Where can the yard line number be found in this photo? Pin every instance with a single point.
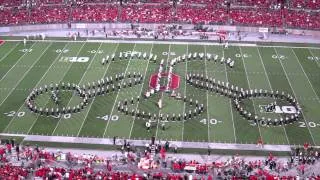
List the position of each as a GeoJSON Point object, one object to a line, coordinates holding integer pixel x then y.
{"type": "Point", "coordinates": [310, 124]}
{"type": "Point", "coordinates": [14, 113]}
{"type": "Point", "coordinates": [278, 56]}
{"type": "Point", "coordinates": [168, 53]}
{"type": "Point", "coordinates": [65, 116]}
{"type": "Point", "coordinates": [211, 121]}
{"type": "Point", "coordinates": [314, 58]}
{"type": "Point", "coordinates": [25, 50]}
{"type": "Point", "coordinates": [245, 55]}
{"type": "Point", "coordinates": [22, 113]}
{"type": "Point", "coordinates": [95, 51]}
{"type": "Point", "coordinates": [58, 51]}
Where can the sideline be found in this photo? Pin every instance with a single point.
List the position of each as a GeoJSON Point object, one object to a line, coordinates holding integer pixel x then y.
{"type": "Point", "coordinates": [177, 42]}
{"type": "Point", "coordinates": [180, 144]}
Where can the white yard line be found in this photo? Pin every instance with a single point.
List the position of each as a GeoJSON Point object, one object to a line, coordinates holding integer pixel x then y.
{"type": "Point", "coordinates": [145, 79]}
{"type": "Point", "coordinates": [24, 74]}
{"type": "Point", "coordinates": [59, 82]}
{"type": "Point", "coordinates": [185, 91]}
{"type": "Point", "coordinates": [6, 55]}
{"type": "Point", "coordinates": [270, 86]}
{"type": "Point", "coordinates": [89, 108]}
{"type": "Point", "coordinates": [12, 119]}
{"type": "Point", "coordinates": [83, 75]}
{"type": "Point", "coordinates": [115, 102]}
{"type": "Point", "coordinates": [254, 106]}
{"type": "Point", "coordinates": [18, 62]}
{"type": "Point", "coordinates": [316, 95]}
{"type": "Point", "coordinates": [295, 96]}
{"type": "Point", "coordinates": [208, 118]}
{"type": "Point", "coordinates": [230, 103]}
{"type": "Point", "coordinates": [162, 92]}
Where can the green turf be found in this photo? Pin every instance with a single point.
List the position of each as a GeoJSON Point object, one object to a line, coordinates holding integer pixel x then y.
{"type": "Point", "coordinates": [293, 70]}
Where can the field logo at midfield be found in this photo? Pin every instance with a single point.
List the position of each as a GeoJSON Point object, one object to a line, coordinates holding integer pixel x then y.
{"type": "Point", "coordinates": [280, 109]}
{"type": "Point", "coordinates": [74, 59]}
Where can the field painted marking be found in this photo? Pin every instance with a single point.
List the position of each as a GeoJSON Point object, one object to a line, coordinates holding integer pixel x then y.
{"type": "Point", "coordinates": [298, 60]}
{"type": "Point", "coordinates": [115, 102]}
{"type": "Point", "coordinates": [310, 124]}
{"type": "Point", "coordinates": [184, 93]}
{"type": "Point", "coordinates": [205, 63]}
{"type": "Point", "coordinates": [20, 108]}
{"type": "Point", "coordinates": [231, 111]}
{"type": "Point", "coordinates": [317, 62]}
{"type": "Point", "coordinates": [145, 73]}
{"type": "Point", "coordinates": [59, 82]}
{"type": "Point", "coordinates": [270, 86]}
{"type": "Point", "coordinates": [6, 55]}
{"type": "Point", "coordinates": [295, 96]}
{"type": "Point", "coordinates": [15, 64]}
{"type": "Point", "coordinates": [23, 74]}
{"type": "Point", "coordinates": [89, 108]}
{"type": "Point", "coordinates": [83, 75]}
{"type": "Point", "coordinates": [254, 106]}
{"type": "Point", "coordinates": [162, 92]}
{"type": "Point", "coordinates": [172, 42]}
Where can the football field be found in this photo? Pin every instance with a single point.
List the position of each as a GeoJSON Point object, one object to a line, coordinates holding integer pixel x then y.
{"type": "Point", "coordinates": [294, 70]}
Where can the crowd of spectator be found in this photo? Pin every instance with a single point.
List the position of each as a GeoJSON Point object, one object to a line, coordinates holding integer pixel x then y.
{"type": "Point", "coordinates": [28, 162]}
{"type": "Point", "coordinates": [271, 13]}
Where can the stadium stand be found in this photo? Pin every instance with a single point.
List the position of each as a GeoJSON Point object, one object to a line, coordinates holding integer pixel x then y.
{"type": "Point", "coordinates": [14, 16]}
{"type": "Point", "coordinates": [10, 3]}
{"type": "Point", "coordinates": [268, 13]}
{"type": "Point", "coordinates": [305, 4]}
{"type": "Point", "coordinates": [49, 14]}
{"type": "Point", "coordinates": [94, 13]}
{"type": "Point", "coordinates": [146, 13]}
{"type": "Point", "coordinates": [302, 19]}
{"type": "Point", "coordinates": [25, 162]}
{"type": "Point", "coordinates": [203, 15]}
{"type": "Point", "coordinates": [256, 17]}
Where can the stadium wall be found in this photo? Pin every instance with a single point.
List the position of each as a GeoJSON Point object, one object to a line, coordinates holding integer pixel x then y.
{"type": "Point", "coordinates": [115, 26]}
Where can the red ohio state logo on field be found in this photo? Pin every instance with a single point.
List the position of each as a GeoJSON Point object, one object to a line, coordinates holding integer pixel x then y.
{"type": "Point", "coordinates": [174, 83]}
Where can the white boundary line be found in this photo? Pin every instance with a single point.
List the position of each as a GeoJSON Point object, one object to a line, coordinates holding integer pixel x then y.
{"type": "Point", "coordinates": [230, 103]}
{"type": "Point", "coordinates": [174, 42]}
{"type": "Point", "coordinates": [115, 101]}
{"type": "Point", "coordinates": [89, 108]}
{"type": "Point", "coordinates": [83, 75]}
{"type": "Point", "coordinates": [297, 58]}
{"type": "Point", "coordinates": [295, 96]}
{"type": "Point", "coordinates": [169, 54]}
{"type": "Point", "coordinates": [21, 57]}
{"type": "Point", "coordinates": [12, 119]}
{"type": "Point", "coordinates": [254, 106]}
{"type": "Point", "coordinates": [270, 86]}
{"type": "Point", "coordinates": [198, 145]}
{"type": "Point", "coordinates": [59, 81]}
{"type": "Point", "coordinates": [145, 78]}
{"type": "Point", "coordinates": [6, 55]}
